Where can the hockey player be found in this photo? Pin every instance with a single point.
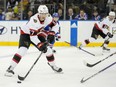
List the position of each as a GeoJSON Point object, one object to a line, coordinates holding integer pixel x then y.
{"type": "Point", "coordinates": [57, 29]}
{"type": "Point", "coordinates": [31, 33]}
{"type": "Point", "coordinates": [102, 28]}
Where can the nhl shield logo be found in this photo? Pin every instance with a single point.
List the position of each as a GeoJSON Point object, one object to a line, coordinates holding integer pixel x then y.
{"type": "Point", "coordinates": [3, 30]}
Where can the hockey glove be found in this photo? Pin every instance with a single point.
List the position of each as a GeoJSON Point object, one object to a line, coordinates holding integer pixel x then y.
{"type": "Point", "coordinates": [58, 37]}
{"type": "Point", "coordinates": [110, 35]}
{"type": "Point", "coordinates": [51, 36]}
{"type": "Point", "coordinates": [42, 46]}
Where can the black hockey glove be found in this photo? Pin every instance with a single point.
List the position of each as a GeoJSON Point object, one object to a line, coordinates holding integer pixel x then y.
{"type": "Point", "coordinates": [51, 36]}
{"type": "Point", "coordinates": [42, 46]}
{"type": "Point", "coordinates": [58, 37]}
{"type": "Point", "coordinates": [110, 35]}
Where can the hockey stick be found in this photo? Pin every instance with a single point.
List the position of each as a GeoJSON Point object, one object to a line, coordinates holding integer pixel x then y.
{"type": "Point", "coordinates": [83, 80]}
{"type": "Point", "coordinates": [82, 49]}
{"type": "Point", "coordinates": [23, 78]}
{"type": "Point", "coordinates": [113, 32]}
{"type": "Point", "coordinates": [91, 65]}
{"type": "Point", "coordinates": [104, 42]}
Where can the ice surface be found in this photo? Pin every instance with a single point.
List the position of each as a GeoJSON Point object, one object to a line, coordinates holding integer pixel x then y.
{"type": "Point", "coordinates": [69, 58]}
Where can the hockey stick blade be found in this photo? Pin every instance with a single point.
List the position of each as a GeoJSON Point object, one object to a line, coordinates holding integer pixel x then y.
{"type": "Point", "coordinates": [21, 78]}
{"type": "Point", "coordinates": [87, 64]}
{"type": "Point", "coordinates": [82, 81]}
{"type": "Point", "coordinates": [91, 65]}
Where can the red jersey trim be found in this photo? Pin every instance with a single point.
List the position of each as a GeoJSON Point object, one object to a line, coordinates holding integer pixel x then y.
{"type": "Point", "coordinates": [97, 27]}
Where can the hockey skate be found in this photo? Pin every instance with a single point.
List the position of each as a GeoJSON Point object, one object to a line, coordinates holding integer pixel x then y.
{"type": "Point", "coordinates": [55, 68]}
{"type": "Point", "coordinates": [105, 49]}
{"type": "Point", "coordinates": [9, 72]}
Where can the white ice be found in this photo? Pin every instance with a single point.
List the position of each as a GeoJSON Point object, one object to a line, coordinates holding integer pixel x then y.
{"type": "Point", "coordinates": [69, 58]}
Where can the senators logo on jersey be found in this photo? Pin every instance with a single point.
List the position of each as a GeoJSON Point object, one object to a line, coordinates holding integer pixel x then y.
{"type": "Point", "coordinates": [105, 26]}
{"type": "Point", "coordinates": [35, 21]}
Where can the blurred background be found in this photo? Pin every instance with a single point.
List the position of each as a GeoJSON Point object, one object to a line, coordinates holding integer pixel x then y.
{"type": "Point", "coordinates": [67, 9]}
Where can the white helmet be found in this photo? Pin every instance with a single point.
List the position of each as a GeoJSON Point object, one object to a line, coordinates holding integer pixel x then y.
{"type": "Point", "coordinates": [42, 9]}
{"type": "Point", "coordinates": [111, 13]}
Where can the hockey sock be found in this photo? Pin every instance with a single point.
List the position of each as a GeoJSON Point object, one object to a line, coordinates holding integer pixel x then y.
{"type": "Point", "coordinates": [16, 59]}
{"type": "Point", "coordinates": [106, 42]}
{"type": "Point", "coordinates": [52, 63]}
{"type": "Point", "coordinates": [87, 41]}
{"type": "Point", "coordinates": [50, 58]}
{"type": "Point", "coordinates": [91, 39]}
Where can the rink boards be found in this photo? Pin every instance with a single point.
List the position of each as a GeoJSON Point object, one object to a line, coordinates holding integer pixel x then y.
{"type": "Point", "coordinates": [71, 31]}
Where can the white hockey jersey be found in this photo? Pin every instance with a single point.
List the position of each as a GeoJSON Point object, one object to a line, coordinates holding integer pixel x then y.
{"type": "Point", "coordinates": [34, 26]}
{"type": "Point", "coordinates": [104, 25]}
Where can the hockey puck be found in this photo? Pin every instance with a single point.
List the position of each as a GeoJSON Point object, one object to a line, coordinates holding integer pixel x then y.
{"type": "Point", "coordinates": [18, 81]}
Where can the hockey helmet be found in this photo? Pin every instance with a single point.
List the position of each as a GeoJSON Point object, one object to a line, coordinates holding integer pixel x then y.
{"type": "Point", "coordinates": [111, 13]}
{"type": "Point", "coordinates": [55, 15]}
{"type": "Point", "coordinates": [42, 9]}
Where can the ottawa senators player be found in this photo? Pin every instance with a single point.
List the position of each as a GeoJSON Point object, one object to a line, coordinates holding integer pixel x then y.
{"type": "Point", "coordinates": [33, 33]}
{"type": "Point", "coordinates": [102, 28]}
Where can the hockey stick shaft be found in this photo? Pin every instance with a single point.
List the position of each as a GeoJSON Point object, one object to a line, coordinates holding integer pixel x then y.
{"type": "Point", "coordinates": [23, 78]}
{"type": "Point", "coordinates": [81, 49]}
{"type": "Point", "coordinates": [84, 80]}
{"type": "Point", "coordinates": [108, 38]}
{"type": "Point", "coordinates": [91, 65]}
{"type": "Point", "coordinates": [87, 52]}
{"type": "Point", "coordinates": [104, 42]}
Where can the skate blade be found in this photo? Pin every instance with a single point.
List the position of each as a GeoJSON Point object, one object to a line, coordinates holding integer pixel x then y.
{"type": "Point", "coordinates": [59, 72]}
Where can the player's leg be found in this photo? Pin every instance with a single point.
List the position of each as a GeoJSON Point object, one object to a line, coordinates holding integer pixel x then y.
{"type": "Point", "coordinates": [49, 54]}
{"type": "Point", "coordinates": [51, 60]}
{"type": "Point", "coordinates": [93, 37]}
{"type": "Point", "coordinates": [24, 44]}
{"type": "Point", "coordinates": [106, 42]}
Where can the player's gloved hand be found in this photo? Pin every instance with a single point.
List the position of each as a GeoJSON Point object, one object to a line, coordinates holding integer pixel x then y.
{"type": "Point", "coordinates": [51, 36]}
{"type": "Point", "coordinates": [42, 46]}
{"type": "Point", "coordinates": [58, 37]}
{"type": "Point", "coordinates": [110, 35]}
